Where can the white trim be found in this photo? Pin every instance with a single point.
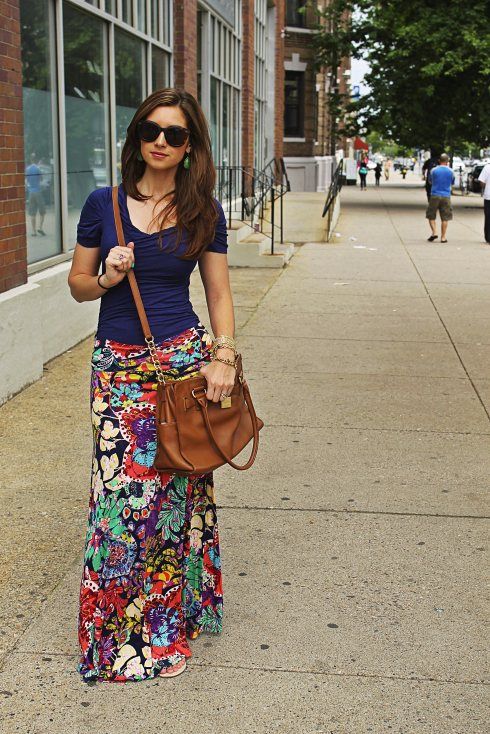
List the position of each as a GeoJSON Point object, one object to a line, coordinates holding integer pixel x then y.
{"type": "Point", "coordinates": [61, 123]}
{"type": "Point", "coordinates": [297, 29]}
{"type": "Point", "coordinates": [48, 262]}
{"type": "Point", "coordinates": [294, 140]}
{"type": "Point", "coordinates": [294, 64]}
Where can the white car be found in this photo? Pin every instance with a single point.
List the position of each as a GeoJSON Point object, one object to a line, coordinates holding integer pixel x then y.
{"type": "Point", "coordinates": [458, 163]}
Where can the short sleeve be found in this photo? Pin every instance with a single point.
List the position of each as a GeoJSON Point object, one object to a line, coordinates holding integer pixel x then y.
{"type": "Point", "coordinates": [89, 227]}
{"type": "Point", "coordinates": [220, 242]}
{"type": "Point", "coordinates": [483, 177]}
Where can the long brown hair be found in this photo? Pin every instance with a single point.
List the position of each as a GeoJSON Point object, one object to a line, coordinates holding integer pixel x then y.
{"type": "Point", "coordinates": [192, 203]}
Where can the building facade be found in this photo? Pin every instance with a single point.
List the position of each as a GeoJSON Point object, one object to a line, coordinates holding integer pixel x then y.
{"type": "Point", "coordinates": [311, 148]}
{"type": "Point", "coordinates": [72, 74]}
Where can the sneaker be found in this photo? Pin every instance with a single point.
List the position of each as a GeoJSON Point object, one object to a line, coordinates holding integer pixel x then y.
{"type": "Point", "coordinates": [41, 231]}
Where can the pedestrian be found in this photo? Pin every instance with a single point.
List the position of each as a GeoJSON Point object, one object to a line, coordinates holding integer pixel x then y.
{"type": "Point", "coordinates": [429, 164]}
{"type": "Point", "coordinates": [484, 179]}
{"type": "Point", "coordinates": [363, 172]}
{"type": "Point", "coordinates": [377, 173]}
{"type": "Point", "coordinates": [151, 570]}
{"type": "Point", "coordinates": [35, 201]}
{"type": "Point", "coordinates": [386, 168]}
{"type": "Point", "coordinates": [441, 179]}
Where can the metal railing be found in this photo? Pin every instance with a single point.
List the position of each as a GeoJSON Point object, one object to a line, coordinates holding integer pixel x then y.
{"type": "Point", "coordinates": [332, 193]}
{"type": "Point", "coordinates": [248, 192]}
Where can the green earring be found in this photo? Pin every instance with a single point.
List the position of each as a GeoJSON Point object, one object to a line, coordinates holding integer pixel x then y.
{"type": "Point", "coordinates": [187, 162]}
{"type": "Point", "coordinates": [139, 156]}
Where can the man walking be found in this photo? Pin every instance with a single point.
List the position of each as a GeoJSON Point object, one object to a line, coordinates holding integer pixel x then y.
{"type": "Point", "coordinates": [484, 179]}
{"type": "Point", "coordinates": [441, 179]}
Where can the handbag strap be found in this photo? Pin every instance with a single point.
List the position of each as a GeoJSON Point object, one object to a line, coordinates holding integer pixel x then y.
{"type": "Point", "coordinates": [131, 277]}
{"type": "Point", "coordinates": [246, 394]}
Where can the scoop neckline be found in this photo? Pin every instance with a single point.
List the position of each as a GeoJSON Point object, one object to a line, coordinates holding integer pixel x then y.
{"type": "Point", "coordinates": [153, 234]}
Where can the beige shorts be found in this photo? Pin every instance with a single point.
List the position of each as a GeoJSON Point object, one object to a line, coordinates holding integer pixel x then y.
{"type": "Point", "coordinates": [441, 204]}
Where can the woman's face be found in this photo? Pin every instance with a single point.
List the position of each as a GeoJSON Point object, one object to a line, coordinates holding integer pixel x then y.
{"type": "Point", "coordinates": [164, 116]}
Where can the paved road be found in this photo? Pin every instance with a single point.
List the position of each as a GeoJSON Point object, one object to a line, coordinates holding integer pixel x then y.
{"type": "Point", "coordinates": [352, 551]}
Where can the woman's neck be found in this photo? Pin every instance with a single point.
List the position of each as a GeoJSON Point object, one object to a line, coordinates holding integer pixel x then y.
{"type": "Point", "coordinates": [156, 184]}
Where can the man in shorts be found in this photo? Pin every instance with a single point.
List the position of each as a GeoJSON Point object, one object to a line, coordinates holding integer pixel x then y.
{"type": "Point", "coordinates": [35, 201]}
{"type": "Point", "coordinates": [441, 179]}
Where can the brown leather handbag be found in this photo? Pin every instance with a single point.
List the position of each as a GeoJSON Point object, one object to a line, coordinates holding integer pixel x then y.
{"type": "Point", "coordinates": [194, 434]}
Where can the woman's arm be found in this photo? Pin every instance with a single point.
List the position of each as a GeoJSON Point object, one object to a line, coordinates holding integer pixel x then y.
{"type": "Point", "coordinates": [82, 278]}
{"type": "Point", "coordinates": [213, 267]}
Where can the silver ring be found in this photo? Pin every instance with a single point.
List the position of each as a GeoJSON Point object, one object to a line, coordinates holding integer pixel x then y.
{"type": "Point", "coordinates": [223, 395]}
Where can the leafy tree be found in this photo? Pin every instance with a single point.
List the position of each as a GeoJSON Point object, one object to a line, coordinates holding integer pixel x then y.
{"type": "Point", "coordinates": [429, 63]}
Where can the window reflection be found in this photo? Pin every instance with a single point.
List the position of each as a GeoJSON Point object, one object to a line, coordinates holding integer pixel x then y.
{"type": "Point", "coordinates": [160, 68]}
{"type": "Point", "coordinates": [130, 65]}
{"type": "Point", "coordinates": [41, 161]}
{"type": "Point", "coordinates": [86, 110]}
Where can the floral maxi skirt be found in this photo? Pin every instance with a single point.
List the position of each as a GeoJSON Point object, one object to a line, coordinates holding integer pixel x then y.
{"type": "Point", "coordinates": [152, 571]}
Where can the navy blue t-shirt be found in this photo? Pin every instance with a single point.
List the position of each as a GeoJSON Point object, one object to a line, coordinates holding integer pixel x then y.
{"type": "Point", "coordinates": [163, 278]}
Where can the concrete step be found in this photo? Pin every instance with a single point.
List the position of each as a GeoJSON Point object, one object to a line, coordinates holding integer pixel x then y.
{"type": "Point", "coordinates": [247, 248]}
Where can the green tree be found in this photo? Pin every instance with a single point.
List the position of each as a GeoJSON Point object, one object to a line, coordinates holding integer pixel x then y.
{"type": "Point", "coordinates": [430, 67]}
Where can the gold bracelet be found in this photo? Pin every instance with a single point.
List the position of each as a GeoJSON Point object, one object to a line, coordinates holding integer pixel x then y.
{"type": "Point", "coordinates": [223, 340]}
{"type": "Point", "coordinates": [215, 348]}
{"type": "Point", "coordinates": [225, 361]}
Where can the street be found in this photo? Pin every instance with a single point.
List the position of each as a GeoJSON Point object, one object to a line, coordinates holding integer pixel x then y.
{"type": "Point", "coordinates": [353, 558]}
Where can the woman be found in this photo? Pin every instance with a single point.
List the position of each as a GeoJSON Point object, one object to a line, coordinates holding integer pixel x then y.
{"type": "Point", "coordinates": [363, 172]}
{"type": "Point", "coordinates": [152, 572]}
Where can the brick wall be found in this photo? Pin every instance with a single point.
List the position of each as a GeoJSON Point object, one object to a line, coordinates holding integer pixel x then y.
{"type": "Point", "coordinates": [13, 252]}
{"type": "Point", "coordinates": [185, 45]}
{"type": "Point", "coordinates": [248, 60]}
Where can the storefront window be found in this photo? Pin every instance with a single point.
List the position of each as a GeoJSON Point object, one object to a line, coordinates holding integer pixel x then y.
{"type": "Point", "coordinates": [223, 103]}
{"type": "Point", "coordinates": [130, 66]}
{"type": "Point", "coordinates": [43, 225]}
{"type": "Point", "coordinates": [95, 122]}
{"type": "Point", "coordinates": [86, 109]}
{"type": "Point", "coordinates": [160, 68]}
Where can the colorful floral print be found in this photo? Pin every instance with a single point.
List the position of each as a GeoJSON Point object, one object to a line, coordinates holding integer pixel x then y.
{"type": "Point", "coordinates": [152, 569]}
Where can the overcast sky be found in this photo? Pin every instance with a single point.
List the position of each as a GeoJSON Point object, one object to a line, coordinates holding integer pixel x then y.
{"type": "Point", "coordinates": [359, 67]}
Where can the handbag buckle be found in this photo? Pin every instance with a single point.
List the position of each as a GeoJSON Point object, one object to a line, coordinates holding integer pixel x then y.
{"type": "Point", "coordinates": [196, 389]}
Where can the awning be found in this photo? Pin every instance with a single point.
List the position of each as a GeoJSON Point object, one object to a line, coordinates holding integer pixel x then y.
{"type": "Point", "coordinates": [360, 144]}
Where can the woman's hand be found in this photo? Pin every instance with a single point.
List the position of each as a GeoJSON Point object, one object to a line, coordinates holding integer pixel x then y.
{"type": "Point", "coordinates": [220, 377]}
{"type": "Point", "coordinates": [118, 262]}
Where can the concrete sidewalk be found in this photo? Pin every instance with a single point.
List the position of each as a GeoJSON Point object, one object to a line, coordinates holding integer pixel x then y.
{"type": "Point", "coordinates": [352, 551]}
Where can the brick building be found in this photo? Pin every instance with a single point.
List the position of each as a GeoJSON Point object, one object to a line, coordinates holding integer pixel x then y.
{"type": "Point", "coordinates": [72, 73]}
{"type": "Point", "coordinates": [309, 150]}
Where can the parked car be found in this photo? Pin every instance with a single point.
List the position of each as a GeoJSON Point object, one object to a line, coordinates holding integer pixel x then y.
{"type": "Point", "coordinates": [473, 184]}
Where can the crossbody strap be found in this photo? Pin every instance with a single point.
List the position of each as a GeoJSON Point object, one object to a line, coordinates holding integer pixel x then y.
{"type": "Point", "coordinates": [131, 277]}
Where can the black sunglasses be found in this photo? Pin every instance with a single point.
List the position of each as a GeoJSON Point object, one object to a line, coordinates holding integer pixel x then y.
{"type": "Point", "coordinates": [175, 135]}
